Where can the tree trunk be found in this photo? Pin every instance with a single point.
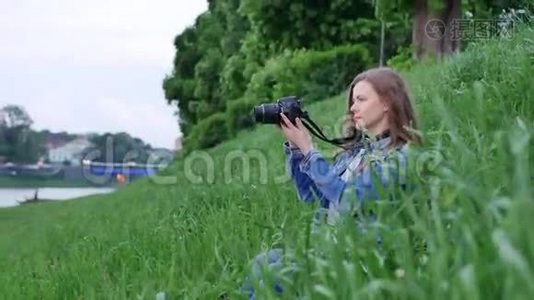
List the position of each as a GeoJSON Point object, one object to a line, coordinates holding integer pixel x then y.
{"type": "Point", "coordinates": [433, 32]}
{"type": "Point", "coordinates": [450, 43]}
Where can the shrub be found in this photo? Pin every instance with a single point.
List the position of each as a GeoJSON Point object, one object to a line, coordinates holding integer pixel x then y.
{"type": "Point", "coordinates": [310, 74]}
{"type": "Point", "coordinates": [402, 60]}
{"type": "Point", "coordinates": [239, 114]}
{"type": "Point", "coordinates": [207, 133]}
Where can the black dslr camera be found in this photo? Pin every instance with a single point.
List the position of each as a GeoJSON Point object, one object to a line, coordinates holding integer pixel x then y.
{"type": "Point", "coordinates": [269, 113]}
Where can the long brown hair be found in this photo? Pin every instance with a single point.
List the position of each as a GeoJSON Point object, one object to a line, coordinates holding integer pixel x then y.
{"type": "Point", "coordinates": [393, 92]}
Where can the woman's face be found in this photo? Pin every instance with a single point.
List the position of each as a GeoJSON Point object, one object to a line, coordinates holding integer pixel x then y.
{"type": "Point", "coordinates": [367, 109]}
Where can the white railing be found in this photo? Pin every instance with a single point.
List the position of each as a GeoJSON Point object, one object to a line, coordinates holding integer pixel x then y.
{"type": "Point", "coordinates": [124, 165]}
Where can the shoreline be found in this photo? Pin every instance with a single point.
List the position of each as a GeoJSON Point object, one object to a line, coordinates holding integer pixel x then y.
{"type": "Point", "coordinates": [16, 197]}
{"type": "Point", "coordinates": [7, 182]}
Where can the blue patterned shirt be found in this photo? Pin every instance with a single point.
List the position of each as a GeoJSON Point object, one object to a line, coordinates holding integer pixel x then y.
{"type": "Point", "coordinates": [339, 193]}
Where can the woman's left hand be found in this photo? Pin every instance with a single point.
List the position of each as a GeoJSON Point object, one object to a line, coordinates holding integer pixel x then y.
{"type": "Point", "coordinates": [298, 135]}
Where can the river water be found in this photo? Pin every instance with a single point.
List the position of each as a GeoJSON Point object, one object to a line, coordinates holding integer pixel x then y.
{"type": "Point", "coordinates": [10, 196]}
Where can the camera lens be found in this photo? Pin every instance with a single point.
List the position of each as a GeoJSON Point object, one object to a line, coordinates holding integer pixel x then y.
{"type": "Point", "coordinates": [267, 113]}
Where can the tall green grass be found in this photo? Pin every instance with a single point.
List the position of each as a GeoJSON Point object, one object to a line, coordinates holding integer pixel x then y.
{"type": "Point", "coordinates": [463, 232]}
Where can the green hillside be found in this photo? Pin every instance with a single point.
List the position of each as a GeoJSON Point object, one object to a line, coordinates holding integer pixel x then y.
{"type": "Point", "coordinates": [194, 240]}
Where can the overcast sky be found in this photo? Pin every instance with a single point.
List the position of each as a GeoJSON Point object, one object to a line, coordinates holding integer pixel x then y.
{"type": "Point", "coordinates": [93, 66]}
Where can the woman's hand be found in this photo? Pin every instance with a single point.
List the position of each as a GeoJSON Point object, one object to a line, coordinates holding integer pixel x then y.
{"type": "Point", "coordinates": [296, 135]}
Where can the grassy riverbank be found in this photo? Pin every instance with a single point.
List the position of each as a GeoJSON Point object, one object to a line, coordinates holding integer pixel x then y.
{"type": "Point", "coordinates": [9, 182]}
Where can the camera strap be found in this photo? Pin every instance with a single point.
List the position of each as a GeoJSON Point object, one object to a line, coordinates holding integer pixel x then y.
{"type": "Point", "coordinates": [315, 130]}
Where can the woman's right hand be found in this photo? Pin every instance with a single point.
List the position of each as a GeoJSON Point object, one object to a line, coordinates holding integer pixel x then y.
{"type": "Point", "coordinates": [291, 145]}
{"type": "Point", "coordinates": [296, 134]}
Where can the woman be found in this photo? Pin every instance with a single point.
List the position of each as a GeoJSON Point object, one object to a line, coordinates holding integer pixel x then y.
{"type": "Point", "coordinates": [380, 119]}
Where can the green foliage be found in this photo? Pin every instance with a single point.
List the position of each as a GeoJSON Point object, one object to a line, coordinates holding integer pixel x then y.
{"type": "Point", "coordinates": [203, 50]}
{"type": "Point", "coordinates": [310, 74]}
{"type": "Point", "coordinates": [239, 114]}
{"type": "Point", "coordinates": [305, 24]}
{"type": "Point", "coordinates": [12, 116]}
{"type": "Point", "coordinates": [486, 9]}
{"type": "Point", "coordinates": [385, 9]}
{"type": "Point", "coordinates": [4, 146]}
{"type": "Point", "coordinates": [119, 148]}
{"type": "Point", "coordinates": [18, 142]}
{"type": "Point", "coordinates": [217, 56]}
{"type": "Point", "coordinates": [403, 60]}
{"type": "Point", "coordinates": [233, 81]}
{"type": "Point", "coordinates": [208, 133]}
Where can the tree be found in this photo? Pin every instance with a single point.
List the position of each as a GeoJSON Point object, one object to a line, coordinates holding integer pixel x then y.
{"type": "Point", "coordinates": [119, 148]}
{"type": "Point", "coordinates": [435, 22]}
{"type": "Point", "coordinates": [21, 144]}
{"type": "Point", "coordinates": [28, 148]}
{"type": "Point", "coordinates": [295, 24]}
{"type": "Point", "coordinates": [4, 146]}
{"type": "Point", "coordinates": [432, 32]}
{"type": "Point", "coordinates": [15, 116]}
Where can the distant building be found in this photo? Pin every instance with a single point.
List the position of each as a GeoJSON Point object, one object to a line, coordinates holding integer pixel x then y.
{"type": "Point", "coordinates": [160, 156]}
{"type": "Point", "coordinates": [54, 143]}
{"type": "Point", "coordinates": [70, 152]}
